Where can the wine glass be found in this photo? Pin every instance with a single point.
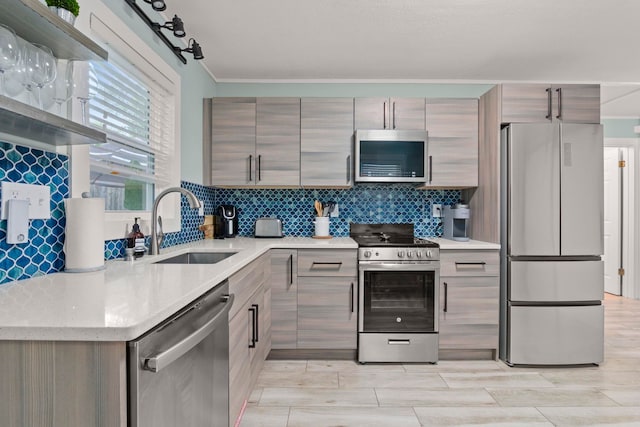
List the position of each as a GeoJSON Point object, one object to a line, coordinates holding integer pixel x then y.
{"type": "Point", "coordinates": [9, 52]}
{"type": "Point", "coordinates": [81, 70]}
{"type": "Point", "coordinates": [40, 67]}
{"type": "Point", "coordinates": [62, 87]}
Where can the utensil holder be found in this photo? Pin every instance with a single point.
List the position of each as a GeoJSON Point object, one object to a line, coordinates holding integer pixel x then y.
{"type": "Point", "coordinates": [322, 226]}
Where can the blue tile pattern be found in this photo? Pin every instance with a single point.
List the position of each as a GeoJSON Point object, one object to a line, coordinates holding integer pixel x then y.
{"type": "Point", "coordinates": [43, 253]}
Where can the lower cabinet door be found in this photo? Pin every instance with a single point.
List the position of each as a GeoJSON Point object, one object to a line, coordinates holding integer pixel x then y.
{"type": "Point", "coordinates": [555, 335]}
{"type": "Point", "coordinates": [239, 362]}
{"type": "Point", "coordinates": [327, 312]}
{"type": "Point", "coordinates": [469, 312]}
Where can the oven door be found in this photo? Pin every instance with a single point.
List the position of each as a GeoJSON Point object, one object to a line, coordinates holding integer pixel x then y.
{"type": "Point", "coordinates": [398, 298]}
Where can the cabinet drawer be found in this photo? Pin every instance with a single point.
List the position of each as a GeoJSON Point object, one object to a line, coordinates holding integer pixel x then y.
{"type": "Point", "coordinates": [469, 263]}
{"type": "Point", "coordinates": [245, 282]}
{"type": "Point", "coordinates": [334, 262]}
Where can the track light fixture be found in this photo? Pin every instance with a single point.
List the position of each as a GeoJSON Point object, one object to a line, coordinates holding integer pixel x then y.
{"type": "Point", "coordinates": [157, 5]}
{"type": "Point", "coordinates": [194, 49]}
{"type": "Point", "coordinates": [176, 25]}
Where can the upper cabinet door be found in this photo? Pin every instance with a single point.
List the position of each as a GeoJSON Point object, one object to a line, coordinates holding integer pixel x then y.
{"type": "Point", "coordinates": [539, 103]}
{"type": "Point", "coordinates": [452, 125]}
{"type": "Point", "coordinates": [326, 142]}
{"type": "Point", "coordinates": [576, 103]}
{"type": "Point", "coordinates": [389, 113]}
{"type": "Point", "coordinates": [233, 142]}
{"type": "Point", "coordinates": [278, 142]}
{"type": "Point", "coordinates": [526, 103]}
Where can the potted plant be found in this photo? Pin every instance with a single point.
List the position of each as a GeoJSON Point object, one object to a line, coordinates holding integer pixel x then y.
{"type": "Point", "coordinates": [65, 9]}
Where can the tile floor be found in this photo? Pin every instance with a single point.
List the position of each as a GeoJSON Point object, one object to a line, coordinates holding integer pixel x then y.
{"type": "Point", "coordinates": [314, 393]}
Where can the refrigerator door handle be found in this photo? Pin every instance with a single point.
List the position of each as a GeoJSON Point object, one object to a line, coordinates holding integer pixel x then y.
{"type": "Point", "coordinates": [549, 104]}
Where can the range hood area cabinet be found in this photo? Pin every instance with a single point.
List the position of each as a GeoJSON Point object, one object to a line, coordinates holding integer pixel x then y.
{"type": "Point", "coordinates": [389, 113]}
{"type": "Point", "coordinates": [35, 23]}
{"type": "Point", "coordinates": [452, 124]}
{"type": "Point", "coordinates": [252, 142]}
{"type": "Point", "coordinates": [326, 142]}
{"type": "Point", "coordinates": [540, 103]}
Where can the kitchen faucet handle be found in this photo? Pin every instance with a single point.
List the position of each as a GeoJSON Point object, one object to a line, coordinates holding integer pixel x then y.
{"type": "Point", "coordinates": [160, 234]}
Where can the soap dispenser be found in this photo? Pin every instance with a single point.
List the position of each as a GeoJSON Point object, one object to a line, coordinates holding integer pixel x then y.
{"type": "Point", "coordinates": [135, 240]}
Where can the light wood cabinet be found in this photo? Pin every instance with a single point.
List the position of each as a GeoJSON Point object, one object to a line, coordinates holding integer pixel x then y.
{"type": "Point", "coordinates": [255, 142]}
{"type": "Point", "coordinates": [389, 113]}
{"type": "Point", "coordinates": [537, 103]}
{"type": "Point", "coordinates": [452, 125]}
{"type": "Point", "coordinates": [326, 142]}
{"type": "Point", "coordinates": [249, 330]}
{"type": "Point", "coordinates": [469, 300]}
{"type": "Point", "coordinates": [62, 383]}
{"type": "Point", "coordinates": [327, 299]}
{"type": "Point", "coordinates": [284, 298]}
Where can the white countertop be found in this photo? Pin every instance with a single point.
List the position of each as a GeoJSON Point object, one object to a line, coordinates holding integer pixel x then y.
{"type": "Point", "coordinates": [447, 244]}
{"type": "Point", "coordinates": [127, 299]}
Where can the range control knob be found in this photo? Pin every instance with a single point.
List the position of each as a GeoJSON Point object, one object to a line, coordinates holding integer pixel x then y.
{"type": "Point", "coordinates": [428, 254]}
{"type": "Point", "coordinates": [400, 254]}
{"type": "Point", "coordinates": [367, 254]}
{"type": "Point", "coordinates": [418, 254]}
{"type": "Point", "coordinates": [409, 254]}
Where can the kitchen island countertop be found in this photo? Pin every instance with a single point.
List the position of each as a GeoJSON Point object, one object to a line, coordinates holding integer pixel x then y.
{"type": "Point", "coordinates": [126, 299]}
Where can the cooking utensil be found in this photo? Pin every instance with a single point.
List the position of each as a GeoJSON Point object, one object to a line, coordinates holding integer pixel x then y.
{"type": "Point", "coordinates": [318, 207]}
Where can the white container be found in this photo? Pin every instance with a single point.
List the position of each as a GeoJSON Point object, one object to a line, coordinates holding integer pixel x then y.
{"type": "Point", "coordinates": [322, 226]}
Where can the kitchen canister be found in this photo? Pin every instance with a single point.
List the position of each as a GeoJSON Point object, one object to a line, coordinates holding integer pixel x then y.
{"type": "Point", "coordinates": [84, 235]}
{"type": "Point", "coordinates": [322, 227]}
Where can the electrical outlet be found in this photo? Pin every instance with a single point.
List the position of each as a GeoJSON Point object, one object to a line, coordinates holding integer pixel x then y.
{"type": "Point", "coordinates": [436, 210]}
{"type": "Point", "coordinates": [201, 208]}
{"type": "Point", "coordinates": [38, 196]}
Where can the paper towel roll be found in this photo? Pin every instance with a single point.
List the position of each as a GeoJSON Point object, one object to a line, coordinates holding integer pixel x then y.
{"type": "Point", "coordinates": [84, 235]}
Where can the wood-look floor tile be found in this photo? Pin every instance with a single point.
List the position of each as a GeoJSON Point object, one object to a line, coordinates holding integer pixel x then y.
{"type": "Point", "coordinates": [296, 397]}
{"type": "Point", "coordinates": [397, 397]}
{"type": "Point", "coordinates": [619, 416]}
{"type": "Point", "coordinates": [624, 396]}
{"type": "Point", "coordinates": [487, 416]}
{"type": "Point", "coordinates": [390, 380]}
{"type": "Point", "coordinates": [353, 417]}
{"type": "Point", "coordinates": [550, 397]}
{"type": "Point", "coordinates": [456, 366]}
{"type": "Point", "coordinates": [255, 416]}
{"type": "Point", "coordinates": [592, 378]}
{"type": "Point", "coordinates": [512, 378]}
{"type": "Point", "coordinates": [285, 366]}
{"type": "Point", "coordinates": [298, 379]}
{"type": "Point", "coordinates": [352, 366]}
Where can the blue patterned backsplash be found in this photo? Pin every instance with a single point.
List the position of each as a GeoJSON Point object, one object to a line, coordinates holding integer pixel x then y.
{"type": "Point", "coordinates": [43, 253]}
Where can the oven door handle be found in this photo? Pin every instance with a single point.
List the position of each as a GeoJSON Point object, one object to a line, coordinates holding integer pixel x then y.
{"type": "Point", "coordinates": [431, 266]}
{"type": "Point", "coordinates": [162, 360]}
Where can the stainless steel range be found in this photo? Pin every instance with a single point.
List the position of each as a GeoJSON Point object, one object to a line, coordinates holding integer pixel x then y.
{"type": "Point", "coordinates": [398, 277]}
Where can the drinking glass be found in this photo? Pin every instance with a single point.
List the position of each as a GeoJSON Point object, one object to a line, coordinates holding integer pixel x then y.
{"type": "Point", "coordinates": [40, 68]}
{"type": "Point", "coordinates": [81, 87]}
{"type": "Point", "coordinates": [9, 52]}
{"type": "Point", "coordinates": [62, 87]}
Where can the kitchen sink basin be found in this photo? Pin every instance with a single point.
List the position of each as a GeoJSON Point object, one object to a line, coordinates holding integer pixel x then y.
{"type": "Point", "coordinates": [197, 258]}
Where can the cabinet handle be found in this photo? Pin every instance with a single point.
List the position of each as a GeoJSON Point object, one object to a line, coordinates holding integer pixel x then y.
{"type": "Point", "coordinates": [250, 167]}
{"type": "Point", "coordinates": [327, 265]}
{"type": "Point", "coordinates": [471, 263]}
{"type": "Point", "coordinates": [351, 295]}
{"type": "Point", "coordinates": [259, 167]}
{"type": "Point", "coordinates": [257, 307]}
{"type": "Point", "coordinates": [559, 116]}
{"type": "Point", "coordinates": [252, 310]}
{"type": "Point", "coordinates": [446, 286]}
{"type": "Point", "coordinates": [430, 169]}
{"type": "Point", "coordinates": [549, 104]}
{"type": "Point", "coordinates": [348, 168]}
{"type": "Point", "coordinates": [290, 271]}
{"type": "Point", "coordinates": [384, 115]}
{"type": "Point", "coordinates": [394, 115]}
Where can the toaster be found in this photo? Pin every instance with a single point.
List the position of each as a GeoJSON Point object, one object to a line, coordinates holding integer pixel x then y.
{"type": "Point", "coordinates": [267, 227]}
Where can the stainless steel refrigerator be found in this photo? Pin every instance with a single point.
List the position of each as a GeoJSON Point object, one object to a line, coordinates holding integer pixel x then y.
{"type": "Point", "coordinates": [552, 274]}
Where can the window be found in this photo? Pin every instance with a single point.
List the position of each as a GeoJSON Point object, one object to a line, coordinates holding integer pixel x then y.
{"type": "Point", "coordinates": [138, 117]}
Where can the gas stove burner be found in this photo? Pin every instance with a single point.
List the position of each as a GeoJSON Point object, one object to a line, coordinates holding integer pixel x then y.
{"type": "Point", "coordinates": [384, 237]}
{"type": "Point", "coordinates": [387, 235]}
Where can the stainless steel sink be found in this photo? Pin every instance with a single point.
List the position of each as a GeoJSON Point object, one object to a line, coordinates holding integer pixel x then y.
{"type": "Point", "coordinates": [197, 258]}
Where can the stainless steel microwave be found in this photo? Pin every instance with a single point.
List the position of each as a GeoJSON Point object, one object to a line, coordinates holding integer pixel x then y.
{"type": "Point", "coordinates": [391, 156]}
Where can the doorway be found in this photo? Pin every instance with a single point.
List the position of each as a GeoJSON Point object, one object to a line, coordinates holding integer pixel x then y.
{"type": "Point", "coordinates": [618, 205]}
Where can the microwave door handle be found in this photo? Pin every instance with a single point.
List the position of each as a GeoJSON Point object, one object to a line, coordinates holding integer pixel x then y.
{"type": "Point", "coordinates": [394, 115]}
{"type": "Point", "coordinates": [349, 169]}
{"type": "Point", "coordinates": [384, 115]}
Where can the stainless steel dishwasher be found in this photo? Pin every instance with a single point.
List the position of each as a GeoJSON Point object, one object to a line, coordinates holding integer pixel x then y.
{"type": "Point", "coordinates": [179, 371]}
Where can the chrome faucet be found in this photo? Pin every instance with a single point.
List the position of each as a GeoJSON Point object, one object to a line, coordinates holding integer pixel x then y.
{"type": "Point", "coordinates": [158, 237]}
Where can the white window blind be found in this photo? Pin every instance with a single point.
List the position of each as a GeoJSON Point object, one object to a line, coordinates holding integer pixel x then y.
{"type": "Point", "coordinates": [138, 117]}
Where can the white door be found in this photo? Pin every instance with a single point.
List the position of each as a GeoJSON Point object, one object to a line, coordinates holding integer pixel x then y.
{"type": "Point", "coordinates": [612, 221]}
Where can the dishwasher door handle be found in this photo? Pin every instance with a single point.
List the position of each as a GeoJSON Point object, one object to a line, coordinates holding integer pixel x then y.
{"type": "Point", "coordinates": [160, 361]}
